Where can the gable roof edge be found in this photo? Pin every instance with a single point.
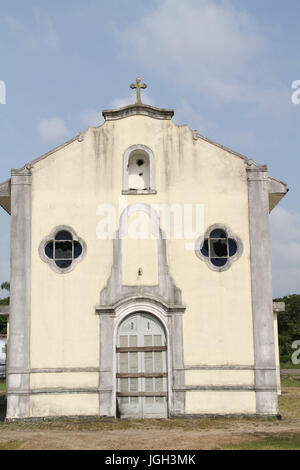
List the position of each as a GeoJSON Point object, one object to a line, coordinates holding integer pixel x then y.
{"type": "Point", "coordinates": [197, 136]}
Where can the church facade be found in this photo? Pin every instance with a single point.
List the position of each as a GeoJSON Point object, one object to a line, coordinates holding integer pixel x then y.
{"type": "Point", "coordinates": [123, 302]}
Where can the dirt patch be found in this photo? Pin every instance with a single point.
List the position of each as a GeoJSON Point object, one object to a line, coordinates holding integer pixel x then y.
{"type": "Point", "coordinates": [181, 434]}
{"type": "Point", "coordinates": [132, 439]}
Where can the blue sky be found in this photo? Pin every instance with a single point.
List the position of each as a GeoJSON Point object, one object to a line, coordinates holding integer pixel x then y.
{"type": "Point", "coordinates": [226, 67]}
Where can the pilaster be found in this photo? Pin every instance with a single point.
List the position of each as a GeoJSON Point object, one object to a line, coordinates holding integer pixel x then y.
{"type": "Point", "coordinates": [261, 280]}
{"type": "Point", "coordinates": [19, 322]}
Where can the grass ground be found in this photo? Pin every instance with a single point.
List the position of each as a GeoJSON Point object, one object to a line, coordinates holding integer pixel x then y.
{"type": "Point", "coordinates": [10, 445]}
{"type": "Point", "coordinates": [290, 381]}
{"type": "Point", "coordinates": [202, 433]}
{"type": "Point", "coordinates": [269, 443]}
{"type": "Point", "coordinates": [289, 365]}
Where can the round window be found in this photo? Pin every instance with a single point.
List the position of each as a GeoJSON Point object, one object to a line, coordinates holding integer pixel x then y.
{"type": "Point", "coordinates": [219, 249]}
{"type": "Point", "coordinates": [61, 249]}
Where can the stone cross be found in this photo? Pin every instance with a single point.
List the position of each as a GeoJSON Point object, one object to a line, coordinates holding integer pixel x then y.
{"type": "Point", "coordinates": [138, 85]}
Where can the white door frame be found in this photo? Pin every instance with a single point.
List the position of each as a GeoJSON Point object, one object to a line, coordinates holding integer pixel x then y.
{"type": "Point", "coordinates": [170, 317]}
{"type": "Point", "coordinates": [126, 312]}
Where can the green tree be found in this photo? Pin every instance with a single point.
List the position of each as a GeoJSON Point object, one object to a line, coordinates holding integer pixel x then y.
{"type": "Point", "coordinates": [288, 327]}
{"type": "Point", "coordinates": [5, 301]}
{"type": "Point", "coordinates": [5, 285]}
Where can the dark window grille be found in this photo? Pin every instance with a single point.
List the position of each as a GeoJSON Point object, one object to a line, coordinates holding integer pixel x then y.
{"type": "Point", "coordinates": [63, 249]}
{"type": "Point", "coordinates": [218, 247]}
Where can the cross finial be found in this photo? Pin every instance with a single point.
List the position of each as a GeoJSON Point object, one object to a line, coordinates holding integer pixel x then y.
{"type": "Point", "coordinates": [138, 85]}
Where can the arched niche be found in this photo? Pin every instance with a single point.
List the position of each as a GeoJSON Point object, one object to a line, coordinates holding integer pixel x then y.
{"type": "Point", "coordinates": [138, 170]}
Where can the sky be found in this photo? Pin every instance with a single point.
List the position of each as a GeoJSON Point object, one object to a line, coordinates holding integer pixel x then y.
{"type": "Point", "coordinates": [227, 68]}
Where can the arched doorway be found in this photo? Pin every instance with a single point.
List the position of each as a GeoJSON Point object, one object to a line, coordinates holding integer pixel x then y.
{"type": "Point", "coordinates": [142, 382]}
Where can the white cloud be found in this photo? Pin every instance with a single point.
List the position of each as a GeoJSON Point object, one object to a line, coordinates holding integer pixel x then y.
{"type": "Point", "coordinates": [41, 34]}
{"type": "Point", "coordinates": [285, 224]}
{"type": "Point", "coordinates": [91, 117]}
{"type": "Point", "coordinates": [187, 114]}
{"type": "Point", "coordinates": [210, 45]}
{"type": "Point", "coordinates": [285, 245]}
{"type": "Point", "coordinates": [121, 102]}
{"type": "Point", "coordinates": [53, 130]}
{"type": "Point", "coordinates": [45, 29]}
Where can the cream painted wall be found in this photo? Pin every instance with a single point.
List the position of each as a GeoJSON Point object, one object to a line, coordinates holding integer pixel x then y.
{"type": "Point", "coordinates": [69, 185]}
{"type": "Point", "coordinates": [139, 253]}
{"type": "Point", "coordinates": [68, 380]}
{"type": "Point", "coordinates": [219, 377]}
{"type": "Point", "coordinates": [220, 402]}
{"type": "Point", "coordinates": [61, 404]}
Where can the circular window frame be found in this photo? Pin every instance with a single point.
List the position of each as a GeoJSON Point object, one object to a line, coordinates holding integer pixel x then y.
{"type": "Point", "coordinates": [51, 261]}
{"type": "Point", "coordinates": [229, 234]}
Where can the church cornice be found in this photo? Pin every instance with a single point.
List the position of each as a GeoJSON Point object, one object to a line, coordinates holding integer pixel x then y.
{"type": "Point", "coordinates": [137, 110]}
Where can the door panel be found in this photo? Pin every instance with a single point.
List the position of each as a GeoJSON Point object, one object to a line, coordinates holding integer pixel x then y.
{"type": "Point", "coordinates": [142, 368]}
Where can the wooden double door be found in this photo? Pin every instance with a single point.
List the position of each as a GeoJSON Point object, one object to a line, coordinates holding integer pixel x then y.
{"type": "Point", "coordinates": [142, 382]}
